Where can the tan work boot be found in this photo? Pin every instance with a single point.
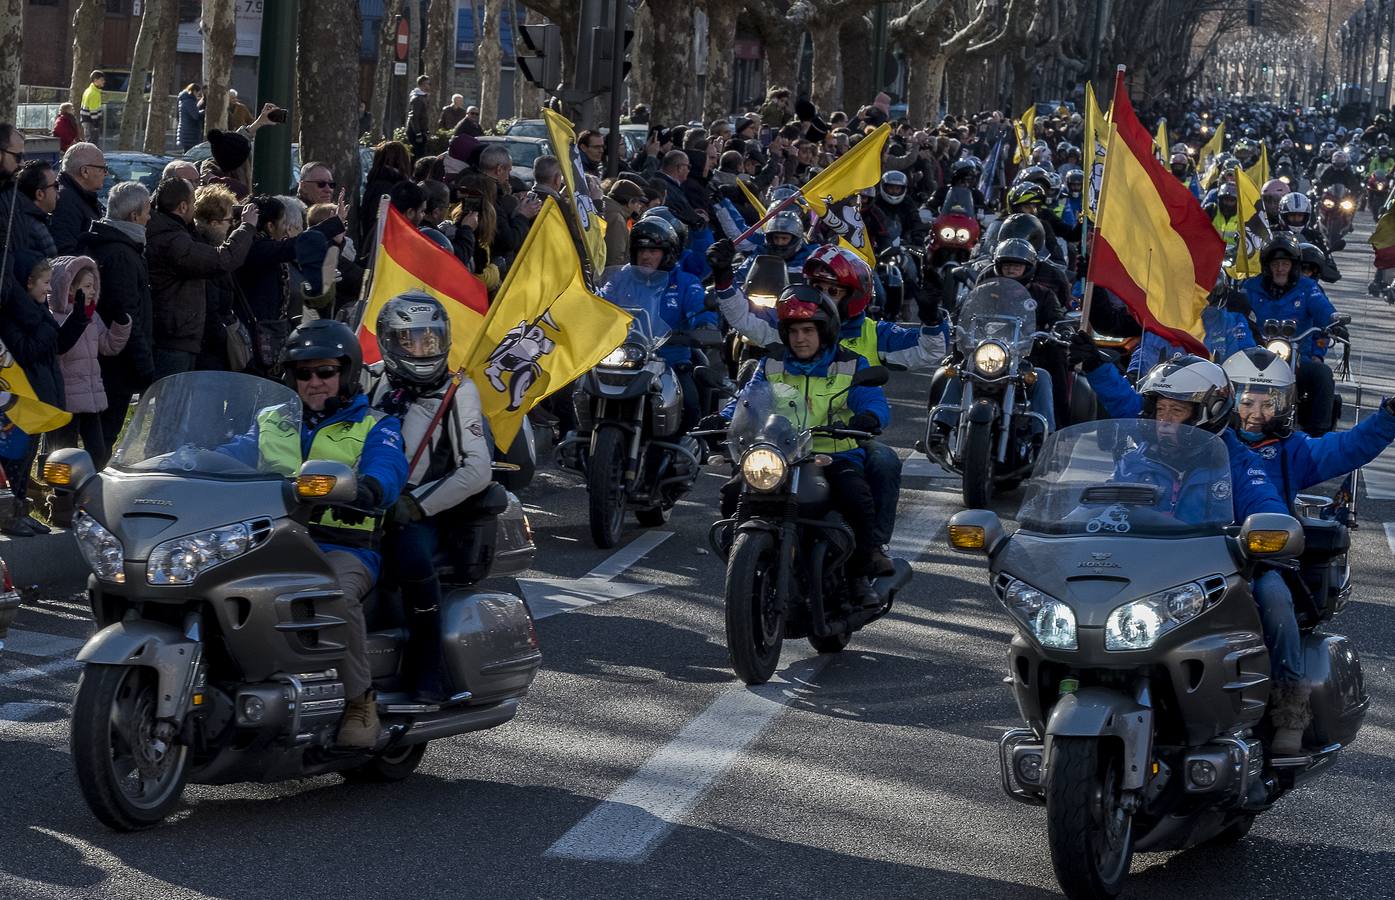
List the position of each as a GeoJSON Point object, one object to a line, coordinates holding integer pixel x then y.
{"type": "Point", "coordinates": [360, 726]}
{"type": "Point", "coordinates": [1290, 712]}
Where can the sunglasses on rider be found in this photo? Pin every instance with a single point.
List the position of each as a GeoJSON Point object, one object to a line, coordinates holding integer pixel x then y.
{"type": "Point", "coordinates": [832, 288]}
{"type": "Point", "coordinates": [324, 373]}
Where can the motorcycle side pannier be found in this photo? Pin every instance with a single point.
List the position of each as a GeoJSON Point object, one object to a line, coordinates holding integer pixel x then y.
{"type": "Point", "coordinates": [489, 645]}
{"type": "Point", "coordinates": [1339, 699]}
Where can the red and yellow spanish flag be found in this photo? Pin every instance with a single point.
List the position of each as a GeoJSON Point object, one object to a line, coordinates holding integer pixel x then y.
{"type": "Point", "coordinates": [1154, 247]}
{"type": "Point", "coordinates": [407, 260]}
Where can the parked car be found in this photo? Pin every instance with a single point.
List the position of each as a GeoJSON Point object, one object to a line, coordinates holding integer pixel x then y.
{"type": "Point", "coordinates": [131, 166]}
{"type": "Point", "coordinates": [532, 128]}
{"type": "Point", "coordinates": [524, 151]}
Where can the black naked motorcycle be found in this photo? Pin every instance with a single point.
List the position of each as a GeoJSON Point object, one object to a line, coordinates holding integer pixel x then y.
{"type": "Point", "coordinates": [629, 443]}
{"type": "Point", "coordinates": [1139, 662]}
{"type": "Point", "coordinates": [786, 548]}
{"type": "Point", "coordinates": [222, 627]}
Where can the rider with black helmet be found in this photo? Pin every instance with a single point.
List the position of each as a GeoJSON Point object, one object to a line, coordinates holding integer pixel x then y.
{"type": "Point", "coordinates": [321, 361]}
{"type": "Point", "coordinates": [414, 340]}
{"type": "Point", "coordinates": [963, 173]}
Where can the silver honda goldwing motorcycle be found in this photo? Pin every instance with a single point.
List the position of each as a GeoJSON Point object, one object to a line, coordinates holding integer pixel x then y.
{"type": "Point", "coordinates": [221, 625]}
{"type": "Point", "coordinates": [1139, 664]}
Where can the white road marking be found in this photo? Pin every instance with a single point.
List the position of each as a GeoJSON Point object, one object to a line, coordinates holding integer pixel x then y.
{"type": "Point", "coordinates": [1390, 535]}
{"type": "Point", "coordinates": [551, 596]}
{"type": "Point", "coordinates": [37, 643]}
{"type": "Point", "coordinates": [634, 819]}
{"type": "Point", "coordinates": [920, 467]}
{"type": "Point", "coordinates": [913, 533]}
{"type": "Point", "coordinates": [44, 670]}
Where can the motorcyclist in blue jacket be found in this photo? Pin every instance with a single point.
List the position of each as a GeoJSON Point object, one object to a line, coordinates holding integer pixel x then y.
{"type": "Point", "coordinates": [673, 299]}
{"type": "Point", "coordinates": [1281, 293]}
{"type": "Point", "coordinates": [1198, 388]}
{"type": "Point", "coordinates": [1224, 322]}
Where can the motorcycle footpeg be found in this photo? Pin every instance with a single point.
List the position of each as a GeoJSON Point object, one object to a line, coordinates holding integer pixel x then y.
{"type": "Point", "coordinates": [1291, 762]}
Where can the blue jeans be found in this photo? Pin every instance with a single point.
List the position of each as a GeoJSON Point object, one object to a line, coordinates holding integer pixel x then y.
{"type": "Point", "coordinates": [1280, 626]}
{"type": "Point", "coordinates": [883, 473]}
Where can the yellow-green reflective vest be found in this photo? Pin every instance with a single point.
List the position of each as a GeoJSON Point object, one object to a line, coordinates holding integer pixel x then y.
{"type": "Point", "coordinates": [1229, 228]}
{"type": "Point", "coordinates": [278, 444]}
{"type": "Point", "coordinates": [865, 344]}
{"type": "Point", "coordinates": [825, 396]}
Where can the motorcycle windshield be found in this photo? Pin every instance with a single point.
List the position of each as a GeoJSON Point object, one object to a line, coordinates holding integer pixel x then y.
{"type": "Point", "coordinates": [959, 200]}
{"type": "Point", "coordinates": [220, 424]}
{"type": "Point", "coordinates": [771, 414]}
{"type": "Point", "coordinates": [998, 309]}
{"type": "Point", "coordinates": [1130, 476]}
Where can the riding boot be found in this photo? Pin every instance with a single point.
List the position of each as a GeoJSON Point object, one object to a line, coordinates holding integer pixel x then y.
{"type": "Point", "coordinates": [1290, 713]}
{"type": "Point", "coordinates": [360, 726]}
{"type": "Point", "coordinates": [60, 509]}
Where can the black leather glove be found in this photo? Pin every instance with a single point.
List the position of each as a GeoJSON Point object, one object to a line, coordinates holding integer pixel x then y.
{"type": "Point", "coordinates": [865, 421]}
{"type": "Point", "coordinates": [714, 422]}
{"type": "Point", "coordinates": [395, 403]}
{"type": "Point", "coordinates": [1085, 353]}
{"type": "Point", "coordinates": [368, 498]}
{"type": "Point", "coordinates": [407, 509]}
{"type": "Point", "coordinates": [1388, 404]}
{"type": "Point", "coordinates": [721, 256]}
{"type": "Point", "coordinates": [1339, 331]}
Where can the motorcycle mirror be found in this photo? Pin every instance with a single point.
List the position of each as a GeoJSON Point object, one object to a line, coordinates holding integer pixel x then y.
{"type": "Point", "coordinates": [1271, 536]}
{"type": "Point", "coordinates": [976, 531]}
{"type": "Point", "coordinates": [325, 481]}
{"type": "Point", "coordinates": [67, 470]}
{"type": "Point", "coordinates": [872, 376]}
{"type": "Point", "coordinates": [1344, 320]}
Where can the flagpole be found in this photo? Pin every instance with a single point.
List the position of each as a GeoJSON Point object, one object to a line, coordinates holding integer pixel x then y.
{"type": "Point", "coordinates": [1088, 298]}
{"type": "Point", "coordinates": [373, 268]}
{"type": "Point", "coordinates": [783, 204]}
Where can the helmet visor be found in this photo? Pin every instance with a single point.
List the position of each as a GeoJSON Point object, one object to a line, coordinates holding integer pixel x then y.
{"type": "Point", "coordinates": [421, 341]}
{"type": "Point", "coordinates": [1257, 405]}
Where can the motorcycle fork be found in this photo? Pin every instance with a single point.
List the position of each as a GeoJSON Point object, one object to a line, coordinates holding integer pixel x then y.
{"type": "Point", "coordinates": [966, 403]}
{"type": "Point", "coordinates": [789, 539]}
{"type": "Point", "coordinates": [633, 459]}
{"type": "Point", "coordinates": [1009, 397]}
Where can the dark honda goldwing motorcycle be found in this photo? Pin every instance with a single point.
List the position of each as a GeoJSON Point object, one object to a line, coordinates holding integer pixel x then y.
{"type": "Point", "coordinates": [629, 443]}
{"type": "Point", "coordinates": [1139, 664]}
{"type": "Point", "coordinates": [221, 626]}
{"type": "Point", "coordinates": [786, 548]}
{"type": "Point", "coordinates": [991, 435]}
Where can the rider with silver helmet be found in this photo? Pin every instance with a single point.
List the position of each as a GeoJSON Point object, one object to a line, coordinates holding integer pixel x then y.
{"type": "Point", "coordinates": [900, 214]}
{"type": "Point", "coordinates": [414, 340]}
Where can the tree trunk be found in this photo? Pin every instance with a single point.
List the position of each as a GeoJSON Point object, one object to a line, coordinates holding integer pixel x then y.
{"type": "Point", "coordinates": [826, 91]}
{"type": "Point", "coordinates": [488, 53]}
{"type": "Point", "coordinates": [88, 19]}
{"type": "Point", "coordinates": [219, 27]}
{"type": "Point", "coordinates": [671, 53]}
{"type": "Point", "coordinates": [133, 114]}
{"type": "Point", "coordinates": [11, 56]}
{"type": "Point", "coordinates": [642, 54]}
{"type": "Point", "coordinates": [162, 83]}
{"type": "Point", "coordinates": [782, 59]}
{"type": "Point", "coordinates": [382, 73]}
{"type": "Point", "coordinates": [721, 58]}
{"type": "Point", "coordinates": [924, 82]}
{"type": "Point", "coordinates": [327, 61]}
{"type": "Point", "coordinates": [859, 63]}
{"type": "Point", "coordinates": [440, 34]}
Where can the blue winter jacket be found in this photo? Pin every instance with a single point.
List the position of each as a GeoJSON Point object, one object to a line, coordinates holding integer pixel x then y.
{"type": "Point", "coordinates": [1253, 489]}
{"type": "Point", "coordinates": [1227, 333]}
{"type": "Point", "coordinates": [1299, 461]}
{"type": "Point", "coordinates": [674, 300]}
{"type": "Point", "coordinates": [861, 398]}
{"type": "Point", "coordinates": [1304, 301]}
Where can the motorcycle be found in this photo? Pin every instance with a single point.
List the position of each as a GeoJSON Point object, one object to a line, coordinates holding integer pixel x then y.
{"type": "Point", "coordinates": [1377, 189]}
{"type": "Point", "coordinates": [1280, 338]}
{"type": "Point", "coordinates": [991, 435]}
{"type": "Point", "coordinates": [786, 549]}
{"type": "Point", "coordinates": [629, 444]}
{"type": "Point", "coordinates": [221, 625]}
{"type": "Point", "coordinates": [1139, 662]}
{"type": "Point", "coordinates": [955, 231]}
{"type": "Point", "coordinates": [1338, 207]}
{"type": "Point", "coordinates": [897, 269]}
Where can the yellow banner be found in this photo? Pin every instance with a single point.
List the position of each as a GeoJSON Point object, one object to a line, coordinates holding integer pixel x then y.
{"type": "Point", "coordinates": [833, 192]}
{"type": "Point", "coordinates": [1251, 230]}
{"type": "Point", "coordinates": [544, 329]}
{"type": "Point", "coordinates": [1026, 128]}
{"type": "Point", "coordinates": [29, 414]}
{"type": "Point", "coordinates": [563, 139]}
{"type": "Point", "coordinates": [1259, 172]}
{"type": "Point", "coordinates": [1211, 149]}
{"type": "Point", "coordinates": [1096, 145]}
{"type": "Point", "coordinates": [1160, 140]}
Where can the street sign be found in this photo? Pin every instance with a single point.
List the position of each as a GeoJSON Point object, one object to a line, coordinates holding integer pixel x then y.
{"type": "Point", "coordinates": [399, 68]}
{"type": "Point", "coordinates": [404, 40]}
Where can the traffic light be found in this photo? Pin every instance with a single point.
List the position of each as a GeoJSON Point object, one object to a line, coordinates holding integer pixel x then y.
{"type": "Point", "coordinates": [602, 57]}
{"type": "Point", "coordinates": [540, 56]}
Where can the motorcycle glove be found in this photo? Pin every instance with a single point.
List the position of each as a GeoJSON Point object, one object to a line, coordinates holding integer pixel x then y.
{"type": "Point", "coordinates": [865, 421]}
{"type": "Point", "coordinates": [407, 509]}
{"type": "Point", "coordinates": [1085, 353]}
{"type": "Point", "coordinates": [366, 501]}
{"type": "Point", "coordinates": [721, 256]}
{"type": "Point", "coordinates": [1388, 404]}
{"type": "Point", "coordinates": [1339, 331]}
{"type": "Point", "coordinates": [714, 422]}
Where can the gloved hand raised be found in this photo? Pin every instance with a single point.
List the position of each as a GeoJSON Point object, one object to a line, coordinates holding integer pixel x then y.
{"type": "Point", "coordinates": [1085, 353]}
{"type": "Point", "coordinates": [721, 256]}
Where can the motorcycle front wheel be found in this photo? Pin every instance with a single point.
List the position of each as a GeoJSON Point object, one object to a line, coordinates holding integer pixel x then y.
{"type": "Point", "coordinates": [605, 486]}
{"type": "Point", "coordinates": [755, 627]}
{"type": "Point", "coordinates": [977, 454]}
{"type": "Point", "coordinates": [1090, 835]}
{"type": "Point", "coordinates": [129, 778]}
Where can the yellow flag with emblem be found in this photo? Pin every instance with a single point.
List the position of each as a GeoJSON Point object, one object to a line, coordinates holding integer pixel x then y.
{"type": "Point", "coordinates": [1211, 149]}
{"type": "Point", "coordinates": [1160, 140]}
{"type": "Point", "coordinates": [544, 329]}
{"type": "Point", "coordinates": [562, 136]}
{"type": "Point", "coordinates": [1251, 231]}
{"type": "Point", "coordinates": [1259, 172]}
{"type": "Point", "coordinates": [21, 405]}
{"type": "Point", "coordinates": [833, 192]}
{"type": "Point", "coordinates": [1026, 128]}
{"type": "Point", "coordinates": [1097, 143]}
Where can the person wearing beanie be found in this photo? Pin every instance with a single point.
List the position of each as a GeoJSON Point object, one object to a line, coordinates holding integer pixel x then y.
{"type": "Point", "coordinates": [623, 205]}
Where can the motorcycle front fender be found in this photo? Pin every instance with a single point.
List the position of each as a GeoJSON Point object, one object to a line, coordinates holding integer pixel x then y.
{"type": "Point", "coordinates": [1101, 713]}
{"type": "Point", "coordinates": [982, 412]}
{"type": "Point", "coordinates": [154, 645]}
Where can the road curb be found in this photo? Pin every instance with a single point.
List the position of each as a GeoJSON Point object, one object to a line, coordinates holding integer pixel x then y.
{"type": "Point", "coordinates": [47, 562]}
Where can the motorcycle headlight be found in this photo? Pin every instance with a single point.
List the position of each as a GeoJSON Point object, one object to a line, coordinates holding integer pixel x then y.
{"type": "Point", "coordinates": [962, 235]}
{"type": "Point", "coordinates": [101, 548]}
{"type": "Point", "coordinates": [990, 358]}
{"type": "Point", "coordinates": [626, 356]}
{"type": "Point", "coordinates": [1279, 348]}
{"type": "Point", "coordinates": [763, 468]}
{"type": "Point", "coordinates": [1138, 625]}
{"type": "Point", "coordinates": [947, 233]}
{"type": "Point", "coordinates": [1348, 205]}
{"type": "Point", "coordinates": [1285, 179]}
{"type": "Point", "coordinates": [763, 301]}
{"type": "Point", "coordinates": [1328, 203]}
{"type": "Point", "coordinates": [1048, 620]}
{"type": "Point", "coordinates": [183, 559]}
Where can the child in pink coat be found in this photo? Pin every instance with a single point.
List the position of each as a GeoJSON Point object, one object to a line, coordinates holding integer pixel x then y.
{"type": "Point", "coordinates": [73, 292]}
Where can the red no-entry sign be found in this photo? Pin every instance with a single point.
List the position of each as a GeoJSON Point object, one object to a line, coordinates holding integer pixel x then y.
{"type": "Point", "coordinates": [404, 33]}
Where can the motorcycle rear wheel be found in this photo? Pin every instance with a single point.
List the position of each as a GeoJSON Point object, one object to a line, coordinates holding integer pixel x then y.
{"type": "Point", "coordinates": [755, 632]}
{"type": "Point", "coordinates": [652, 517]}
{"type": "Point", "coordinates": [1091, 837]}
{"type": "Point", "coordinates": [605, 487]}
{"type": "Point", "coordinates": [977, 455]}
{"type": "Point", "coordinates": [127, 783]}
{"type": "Point", "coordinates": [388, 767]}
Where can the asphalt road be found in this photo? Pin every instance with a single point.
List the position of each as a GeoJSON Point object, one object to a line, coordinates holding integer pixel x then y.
{"type": "Point", "coordinates": [640, 768]}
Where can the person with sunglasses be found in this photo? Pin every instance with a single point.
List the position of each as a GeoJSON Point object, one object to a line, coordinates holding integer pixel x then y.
{"type": "Point", "coordinates": [84, 170]}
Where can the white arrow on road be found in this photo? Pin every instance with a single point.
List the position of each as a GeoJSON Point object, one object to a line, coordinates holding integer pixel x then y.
{"type": "Point", "coordinates": [550, 596]}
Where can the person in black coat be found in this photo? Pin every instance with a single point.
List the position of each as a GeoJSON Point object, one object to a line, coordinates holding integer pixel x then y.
{"type": "Point", "coordinates": [117, 245]}
{"type": "Point", "coordinates": [84, 171]}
